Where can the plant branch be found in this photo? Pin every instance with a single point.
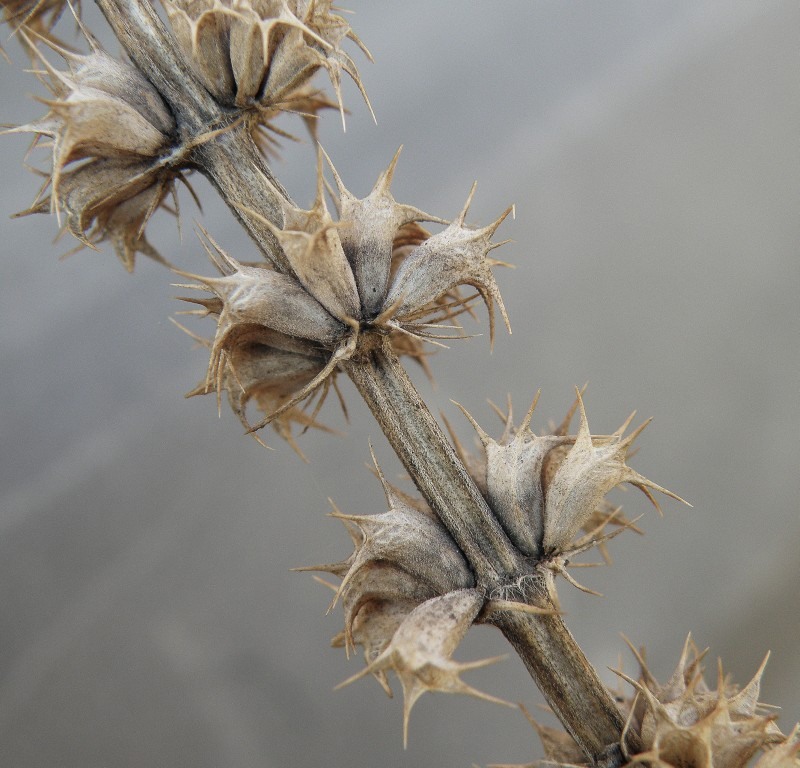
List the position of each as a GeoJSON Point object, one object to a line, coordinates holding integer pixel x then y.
{"type": "Point", "coordinates": [564, 675]}
{"type": "Point", "coordinates": [218, 142]}
{"type": "Point", "coordinates": [550, 653]}
{"type": "Point", "coordinates": [433, 465]}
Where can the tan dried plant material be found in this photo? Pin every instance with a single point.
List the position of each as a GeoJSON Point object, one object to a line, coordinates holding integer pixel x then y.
{"type": "Point", "coordinates": [513, 479]}
{"type": "Point", "coordinates": [421, 648]}
{"type": "Point", "coordinates": [329, 289]}
{"type": "Point", "coordinates": [36, 16]}
{"type": "Point", "coordinates": [584, 477]}
{"type": "Point", "coordinates": [687, 722]}
{"type": "Point", "coordinates": [266, 368]}
{"type": "Point", "coordinates": [259, 56]}
{"type": "Point", "coordinates": [111, 141]}
{"type": "Point", "coordinates": [548, 491]}
{"type": "Point", "coordinates": [402, 558]}
{"type": "Point", "coordinates": [273, 340]}
{"type": "Point", "coordinates": [784, 754]}
{"type": "Point", "coordinates": [411, 538]}
{"type": "Point", "coordinates": [456, 256]}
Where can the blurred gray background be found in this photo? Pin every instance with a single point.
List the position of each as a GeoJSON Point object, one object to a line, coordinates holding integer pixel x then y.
{"type": "Point", "coordinates": [147, 613]}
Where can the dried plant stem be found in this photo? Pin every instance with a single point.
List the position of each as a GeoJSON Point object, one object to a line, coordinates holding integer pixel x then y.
{"type": "Point", "coordinates": [566, 679]}
{"type": "Point", "coordinates": [157, 56]}
{"type": "Point", "coordinates": [433, 465]}
{"type": "Point", "coordinates": [234, 165]}
{"type": "Point", "coordinates": [550, 653]}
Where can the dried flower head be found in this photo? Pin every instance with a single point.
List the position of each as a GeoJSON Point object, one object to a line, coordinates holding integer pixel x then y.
{"type": "Point", "coordinates": [403, 556]}
{"type": "Point", "coordinates": [420, 650]}
{"type": "Point", "coordinates": [547, 489]}
{"type": "Point", "coordinates": [259, 55]}
{"type": "Point", "coordinates": [336, 289]}
{"type": "Point", "coordinates": [113, 160]}
{"type": "Point", "coordinates": [685, 723]}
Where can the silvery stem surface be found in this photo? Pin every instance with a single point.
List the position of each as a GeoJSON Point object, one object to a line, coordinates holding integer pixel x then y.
{"type": "Point", "coordinates": [433, 465]}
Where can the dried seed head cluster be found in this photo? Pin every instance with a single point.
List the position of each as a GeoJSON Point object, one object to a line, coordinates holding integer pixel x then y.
{"type": "Point", "coordinates": [543, 491]}
{"type": "Point", "coordinates": [685, 722]}
{"type": "Point", "coordinates": [334, 291]}
{"type": "Point", "coordinates": [110, 135]}
{"type": "Point", "coordinates": [259, 55]}
{"type": "Point", "coordinates": [546, 489]}
{"type": "Point", "coordinates": [409, 599]}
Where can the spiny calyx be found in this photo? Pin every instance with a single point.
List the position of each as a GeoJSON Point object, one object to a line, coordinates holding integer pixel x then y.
{"type": "Point", "coordinates": [409, 598]}
{"type": "Point", "coordinates": [338, 288]}
{"type": "Point", "coordinates": [114, 152]}
{"type": "Point", "coordinates": [685, 723]}
{"type": "Point", "coordinates": [546, 489]}
{"type": "Point", "coordinates": [259, 55]}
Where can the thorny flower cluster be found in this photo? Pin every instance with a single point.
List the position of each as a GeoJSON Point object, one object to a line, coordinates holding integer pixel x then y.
{"type": "Point", "coordinates": [687, 722]}
{"type": "Point", "coordinates": [333, 291]}
{"type": "Point", "coordinates": [116, 150]}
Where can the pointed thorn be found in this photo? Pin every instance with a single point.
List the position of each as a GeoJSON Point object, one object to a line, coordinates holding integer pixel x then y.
{"type": "Point", "coordinates": [526, 422]}
{"type": "Point", "coordinates": [385, 179]}
{"type": "Point", "coordinates": [459, 221]}
{"type": "Point", "coordinates": [625, 424]}
{"type": "Point", "coordinates": [337, 179]}
{"type": "Point", "coordinates": [387, 491]}
{"type": "Point", "coordinates": [584, 435]}
{"type": "Point", "coordinates": [636, 432]}
{"type": "Point", "coordinates": [492, 228]}
{"type": "Point", "coordinates": [483, 436]}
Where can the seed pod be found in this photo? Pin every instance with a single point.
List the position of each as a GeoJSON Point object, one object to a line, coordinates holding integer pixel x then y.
{"type": "Point", "coordinates": [456, 256]}
{"type": "Point", "coordinates": [373, 628]}
{"type": "Point", "coordinates": [514, 480]}
{"type": "Point", "coordinates": [259, 55]}
{"type": "Point", "coordinates": [583, 478]}
{"type": "Point", "coordinates": [515, 473]}
{"type": "Point", "coordinates": [368, 228]}
{"type": "Point", "coordinates": [104, 112]}
{"type": "Point", "coordinates": [266, 368]}
{"type": "Point", "coordinates": [314, 254]}
{"type": "Point", "coordinates": [382, 582]}
{"type": "Point", "coordinates": [684, 722]}
{"type": "Point", "coordinates": [420, 650]}
{"type": "Point", "coordinates": [411, 539]}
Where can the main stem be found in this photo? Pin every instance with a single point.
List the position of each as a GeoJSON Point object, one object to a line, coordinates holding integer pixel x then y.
{"type": "Point", "coordinates": [433, 465]}
{"type": "Point", "coordinates": [548, 650]}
